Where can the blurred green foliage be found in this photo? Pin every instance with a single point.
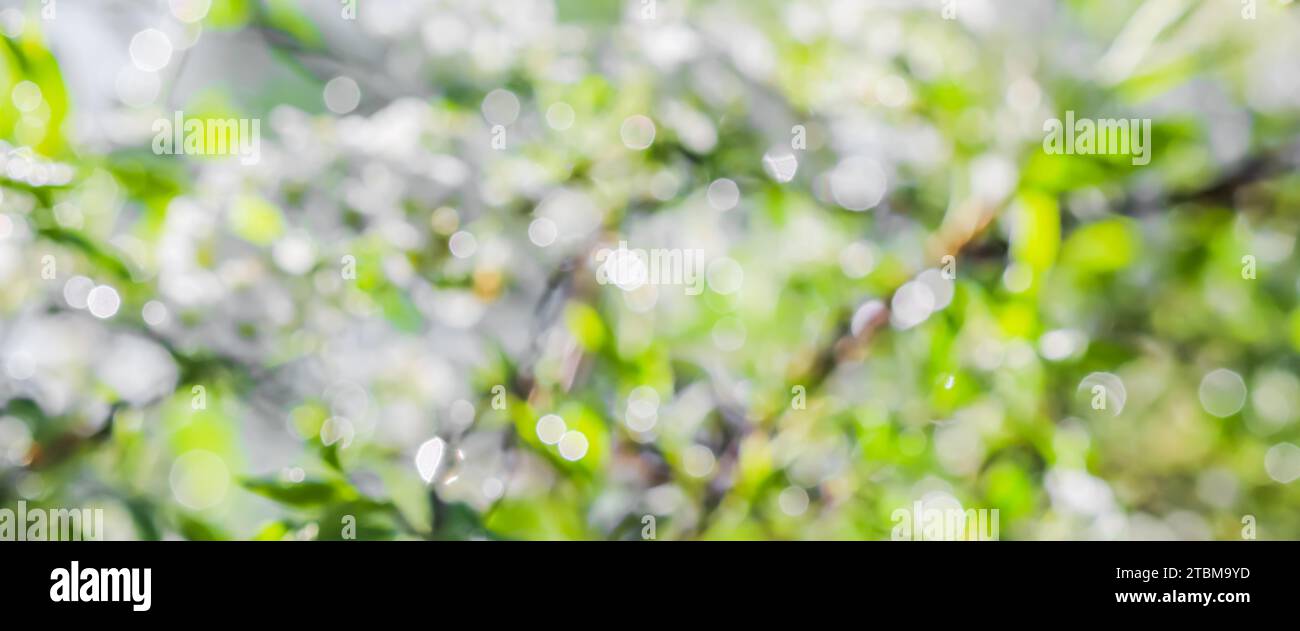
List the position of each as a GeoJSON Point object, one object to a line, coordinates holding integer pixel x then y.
{"type": "Point", "coordinates": [1065, 266]}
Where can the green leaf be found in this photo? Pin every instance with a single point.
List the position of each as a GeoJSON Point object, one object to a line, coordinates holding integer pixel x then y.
{"type": "Point", "coordinates": [195, 529]}
{"type": "Point", "coordinates": [305, 493]}
{"type": "Point", "coordinates": [229, 14]}
{"type": "Point", "coordinates": [1104, 246]}
{"type": "Point", "coordinates": [288, 16]}
{"type": "Point", "coordinates": [330, 455]}
{"type": "Point", "coordinates": [274, 531]}
{"type": "Point", "coordinates": [586, 326]}
{"type": "Point", "coordinates": [595, 13]}
{"type": "Point", "coordinates": [256, 220]}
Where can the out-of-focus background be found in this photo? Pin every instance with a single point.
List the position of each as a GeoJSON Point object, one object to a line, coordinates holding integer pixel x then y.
{"type": "Point", "coordinates": [396, 317]}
